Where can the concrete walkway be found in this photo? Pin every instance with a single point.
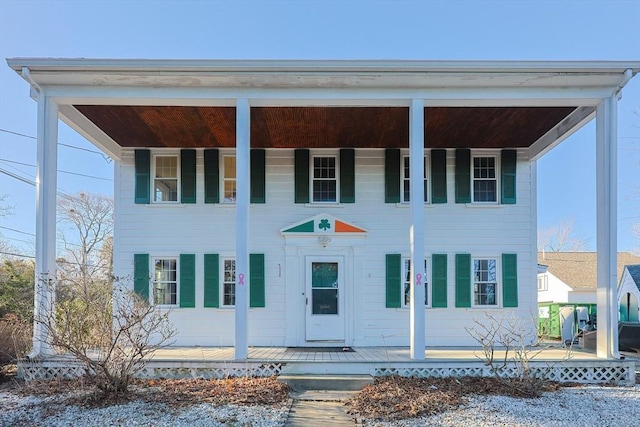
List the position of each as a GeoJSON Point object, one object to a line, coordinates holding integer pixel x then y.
{"type": "Point", "coordinates": [320, 408]}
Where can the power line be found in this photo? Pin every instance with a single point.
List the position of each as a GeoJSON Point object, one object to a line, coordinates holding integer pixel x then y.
{"type": "Point", "coordinates": [31, 182]}
{"type": "Point", "coordinates": [59, 170]}
{"type": "Point", "coordinates": [18, 255]}
{"type": "Point", "coordinates": [17, 231]}
{"type": "Point", "coordinates": [106, 158]}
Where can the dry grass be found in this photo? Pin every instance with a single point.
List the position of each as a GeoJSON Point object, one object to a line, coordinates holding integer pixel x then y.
{"type": "Point", "coordinates": [394, 398]}
{"type": "Point", "coordinates": [174, 393]}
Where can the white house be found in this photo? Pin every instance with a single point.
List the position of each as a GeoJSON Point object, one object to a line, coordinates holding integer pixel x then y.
{"type": "Point", "coordinates": [282, 203]}
{"type": "Point", "coordinates": [629, 294]}
{"type": "Point", "coordinates": [571, 277]}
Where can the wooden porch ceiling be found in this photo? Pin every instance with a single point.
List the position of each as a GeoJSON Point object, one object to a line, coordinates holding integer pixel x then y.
{"type": "Point", "coordinates": [323, 127]}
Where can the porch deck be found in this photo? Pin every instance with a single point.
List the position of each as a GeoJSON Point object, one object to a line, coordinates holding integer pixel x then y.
{"type": "Point", "coordinates": [555, 362]}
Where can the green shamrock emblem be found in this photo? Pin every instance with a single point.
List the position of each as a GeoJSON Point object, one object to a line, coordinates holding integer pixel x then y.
{"type": "Point", "coordinates": [324, 224]}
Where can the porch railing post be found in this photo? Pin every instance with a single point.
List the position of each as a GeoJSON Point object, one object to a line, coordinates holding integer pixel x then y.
{"type": "Point", "coordinates": [607, 254]}
{"type": "Point", "coordinates": [242, 227]}
{"type": "Point", "coordinates": [46, 187]}
{"type": "Point", "coordinates": [416, 195]}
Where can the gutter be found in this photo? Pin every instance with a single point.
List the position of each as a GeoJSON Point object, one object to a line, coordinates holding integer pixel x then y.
{"type": "Point", "coordinates": [628, 75]}
{"type": "Point", "coordinates": [26, 74]}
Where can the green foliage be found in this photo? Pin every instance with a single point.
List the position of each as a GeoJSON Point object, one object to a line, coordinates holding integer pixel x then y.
{"type": "Point", "coordinates": [16, 289]}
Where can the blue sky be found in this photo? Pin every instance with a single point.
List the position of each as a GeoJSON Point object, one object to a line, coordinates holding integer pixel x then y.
{"type": "Point", "coordinates": [464, 30]}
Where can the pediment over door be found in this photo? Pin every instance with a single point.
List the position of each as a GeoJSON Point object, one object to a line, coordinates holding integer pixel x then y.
{"type": "Point", "coordinates": [323, 225]}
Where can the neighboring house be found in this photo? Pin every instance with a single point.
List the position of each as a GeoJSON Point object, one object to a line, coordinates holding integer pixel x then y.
{"type": "Point", "coordinates": [271, 203]}
{"type": "Point", "coordinates": [571, 277]}
{"type": "Point", "coordinates": [629, 294]}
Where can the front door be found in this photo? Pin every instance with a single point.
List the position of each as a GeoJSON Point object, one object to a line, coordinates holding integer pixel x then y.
{"type": "Point", "coordinates": [325, 289]}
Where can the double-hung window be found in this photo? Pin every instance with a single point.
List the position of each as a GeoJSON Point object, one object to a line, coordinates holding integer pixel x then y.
{"type": "Point", "coordinates": [405, 180]}
{"type": "Point", "coordinates": [228, 282]}
{"type": "Point", "coordinates": [406, 283]}
{"type": "Point", "coordinates": [229, 179]}
{"type": "Point", "coordinates": [485, 179]}
{"type": "Point", "coordinates": [165, 282]}
{"type": "Point", "coordinates": [165, 178]}
{"type": "Point", "coordinates": [325, 179]}
{"type": "Point", "coordinates": [485, 282]}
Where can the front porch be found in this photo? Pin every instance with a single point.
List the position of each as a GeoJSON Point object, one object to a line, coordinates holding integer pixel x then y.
{"type": "Point", "coordinates": [560, 364]}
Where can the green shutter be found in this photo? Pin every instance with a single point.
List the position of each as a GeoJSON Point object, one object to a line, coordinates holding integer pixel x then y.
{"type": "Point", "coordinates": [211, 280]}
{"type": "Point", "coordinates": [301, 175]}
{"type": "Point", "coordinates": [508, 179]}
{"type": "Point", "coordinates": [141, 275]}
{"type": "Point", "coordinates": [438, 176]}
{"type": "Point", "coordinates": [463, 175]}
{"type": "Point", "coordinates": [439, 280]}
{"type": "Point", "coordinates": [188, 176]}
{"type": "Point", "coordinates": [509, 280]}
{"type": "Point", "coordinates": [347, 176]}
{"type": "Point", "coordinates": [257, 167]}
{"type": "Point", "coordinates": [143, 176]}
{"type": "Point", "coordinates": [187, 280]}
{"type": "Point", "coordinates": [211, 176]}
{"type": "Point", "coordinates": [392, 175]}
{"type": "Point", "coordinates": [394, 279]}
{"type": "Point", "coordinates": [256, 277]}
{"type": "Point", "coordinates": [463, 280]}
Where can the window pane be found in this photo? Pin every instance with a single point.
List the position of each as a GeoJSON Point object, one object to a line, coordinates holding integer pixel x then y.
{"type": "Point", "coordinates": [325, 301]}
{"type": "Point", "coordinates": [324, 191]}
{"type": "Point", "coordinates": [166, 284]}
{"type": "Point", "coordinates": [166, 167]}
{"type": "Point", "coordinates": [229, 282]}
{"type": "Point", "coordinates": [230, 191]}
{"type": "Point", "coordinates": [324, 275]}
{"type": "Point", "coordinates": [484, 191]}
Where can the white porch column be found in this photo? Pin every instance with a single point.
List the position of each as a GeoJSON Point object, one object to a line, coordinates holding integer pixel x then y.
{"type": "Point", "coordinates": [46, 186]}
{"type": "Point", "coordinates": [416, 189]}
{"type": "Point", "coordinates": [242, 227]}
{"type": "Point", "coordinates": [606, 200]}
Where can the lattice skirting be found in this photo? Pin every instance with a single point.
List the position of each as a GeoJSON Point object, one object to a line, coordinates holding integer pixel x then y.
{"type": "Point", "coordinates": [610, 372]}
{"type": "Point", "coordinates": [67, 368]}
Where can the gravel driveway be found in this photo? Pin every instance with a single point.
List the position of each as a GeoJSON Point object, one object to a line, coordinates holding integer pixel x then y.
{"type": "Point", "coordinates": [580, 406]}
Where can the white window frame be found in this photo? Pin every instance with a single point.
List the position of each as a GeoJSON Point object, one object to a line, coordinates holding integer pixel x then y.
{"type": "Point", "coordinates": [405, 157]}
{"type": "Point", "coordinates": [224, 179]}
{"type": "Point", "coordinates": [406, 278]}
{"type": "Point", "coordinates": [543, 282]}
{"type": "Point", "coordinates": [496, 159]}
{"type": "Point", "coordinates": [155, 281]}
{"type": "Point", "coordinates": [312, 178]}
{"type": "Point", "coordinates": [224, 282]}
{"type": "Point", "coordinates": [154, 177]}
{"type": "Point", "coordinates": [498, 284]}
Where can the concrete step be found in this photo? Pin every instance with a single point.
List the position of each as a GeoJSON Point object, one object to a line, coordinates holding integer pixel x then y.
{"type": "Point", "coordinates": [300, 383]}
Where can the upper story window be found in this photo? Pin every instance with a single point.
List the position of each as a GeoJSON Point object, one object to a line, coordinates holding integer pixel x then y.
{"type": "Point", "coordinates": [165, 178]}
{"type": "Point", "coordinates": [485, 179]}
{"type": "Point", "coordinates": [406, 283]}
{"type": "Point", "coordinates": [543, 283]}
{"type": "Point", "coordinates": [165, 282]}
{"type": "Point", "coordinates": [228, 282]}
{"type": "Point", "coordinates": [229, 179]}
{"type": "Point", "coordinates": [405, 180]}
{"type": "Point", "coordinates": [485, 282]}
{"type": "Point", "coordinates": [325, 179]}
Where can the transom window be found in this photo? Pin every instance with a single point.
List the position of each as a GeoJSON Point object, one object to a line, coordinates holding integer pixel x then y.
{"type": "Point", "coordinates": [229, 179]}
{"type": "Point", "coordinates": [405, 181]}
{"type": "Point", "coordinates": [406, 283]}
{"type": "Point", "coordinates": [229, 282]}
{"type": "Point", "coordinates": [165, 283]}
{"type": "Point", "coordinates": [165, 181]}
{"type": "Point", "coordinates": [485, 282]}
{"type": "Point", "coordinates": [325, 179]}
{"type": "Point", "coordinates": [485, 181]}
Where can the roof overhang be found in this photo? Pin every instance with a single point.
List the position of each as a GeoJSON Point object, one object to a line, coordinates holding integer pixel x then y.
{"type": "Point", "coordinates": [489, 104]}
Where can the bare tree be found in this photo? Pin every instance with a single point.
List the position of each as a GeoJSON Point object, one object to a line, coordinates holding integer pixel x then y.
{"type": "Point", "coordinates": [85, 230]}
{"type": "Point", "coordinates": [561, 237]}
{"type": "Point", "coordinates": [112, 334]}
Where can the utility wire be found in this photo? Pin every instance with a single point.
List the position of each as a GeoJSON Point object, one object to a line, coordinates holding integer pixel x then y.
{"type": "Point", "coordinates": [17, 231]}
{"type": "Point", "coordinates": [105, 157]}
{"type": "Point", "coordinates": [59, 170]}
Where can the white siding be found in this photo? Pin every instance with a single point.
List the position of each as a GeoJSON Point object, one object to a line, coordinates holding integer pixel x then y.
{"type": "Point", "coordinates": [449, 229]}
